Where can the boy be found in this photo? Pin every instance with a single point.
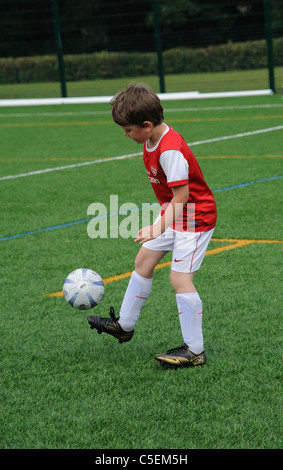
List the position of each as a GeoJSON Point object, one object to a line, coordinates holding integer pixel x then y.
{"type": "Point", "coordinates": [179, 186]}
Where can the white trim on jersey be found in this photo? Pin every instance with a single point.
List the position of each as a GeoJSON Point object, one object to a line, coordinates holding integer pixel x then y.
{"type": "Point", "coordinates": [175, 166]}
{"type": "Point", "coordinates": [152, 149]}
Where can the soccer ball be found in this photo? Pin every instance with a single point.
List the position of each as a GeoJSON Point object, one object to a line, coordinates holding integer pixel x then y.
{"type": "Point", "coordinates": [83, 289]}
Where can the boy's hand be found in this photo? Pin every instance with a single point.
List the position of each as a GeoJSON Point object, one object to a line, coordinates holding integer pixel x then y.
{"type": "Point", "coordinates": [147, 233]}
{"type": "Point", "coordinates": [172, 211]}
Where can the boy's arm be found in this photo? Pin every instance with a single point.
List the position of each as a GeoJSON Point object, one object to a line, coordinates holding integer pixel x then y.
{"type": "Point", "coordinates": [173, 210]}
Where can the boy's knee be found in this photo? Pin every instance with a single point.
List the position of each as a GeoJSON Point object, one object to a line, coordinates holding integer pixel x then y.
{"type": "Point", "coordinates": [143, 264]}
{"type": "Point", "coordinates": [182, 282]}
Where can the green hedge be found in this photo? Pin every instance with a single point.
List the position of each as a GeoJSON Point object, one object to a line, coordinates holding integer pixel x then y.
{"type": "Point", "coordinates": [232, 56]}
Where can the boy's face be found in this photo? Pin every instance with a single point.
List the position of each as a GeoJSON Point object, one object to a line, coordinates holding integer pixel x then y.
{"type": "Point", "coordinates": [137, 133]}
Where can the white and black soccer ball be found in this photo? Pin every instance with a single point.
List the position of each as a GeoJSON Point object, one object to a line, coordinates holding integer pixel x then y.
{"type": "Point", "coordinates": [83, 289]}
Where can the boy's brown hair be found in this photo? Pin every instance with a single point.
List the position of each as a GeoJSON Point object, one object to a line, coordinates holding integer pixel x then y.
{"type": "Point", "coordinates": [135, 105]}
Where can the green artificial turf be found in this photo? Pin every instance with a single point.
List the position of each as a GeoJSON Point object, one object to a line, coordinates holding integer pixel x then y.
{"type": "Point", "coordinates": [202, 82]}
{"type": "Point", "coordinates": [64, 386]}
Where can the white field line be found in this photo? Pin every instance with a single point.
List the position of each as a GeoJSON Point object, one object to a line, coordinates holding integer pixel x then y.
{"type": "Point", "coordinates": [123, 157]}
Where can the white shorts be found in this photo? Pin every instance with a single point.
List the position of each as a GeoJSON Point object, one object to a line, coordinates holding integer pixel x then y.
{"type": "Point", "coordinates": [188, 249]}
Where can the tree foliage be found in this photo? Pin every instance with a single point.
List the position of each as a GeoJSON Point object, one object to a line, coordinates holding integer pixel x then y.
{"type": "Point", "coordinates": [26, 26]}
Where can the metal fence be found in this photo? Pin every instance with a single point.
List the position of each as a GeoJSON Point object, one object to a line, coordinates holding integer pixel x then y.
{"type": "Point", "coordinates": [193, 45]}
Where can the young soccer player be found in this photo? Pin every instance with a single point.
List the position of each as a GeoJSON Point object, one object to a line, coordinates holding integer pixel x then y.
{"type": "Point", "coordinates": [184, 226]}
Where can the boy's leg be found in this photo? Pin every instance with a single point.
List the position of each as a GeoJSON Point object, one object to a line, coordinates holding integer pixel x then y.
{"type": "Point", "coordinates": [189, 308]}
{"type": "Point", "coordinates": [139, 287]}
{"type": "Point", "coordinates": [146, 260]}
{"type": "Point", "coordinates": [136, 294]}
{"type": "Point", "coordinates": [188, 301]}
{"type": "Point", "coordinates": [190, 315]}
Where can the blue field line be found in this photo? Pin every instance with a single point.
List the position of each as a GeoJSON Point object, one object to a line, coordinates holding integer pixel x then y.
{"type": "Point", "coordinates": [242, 185]}
{"type": "Point", "coordinates": [69, 224]}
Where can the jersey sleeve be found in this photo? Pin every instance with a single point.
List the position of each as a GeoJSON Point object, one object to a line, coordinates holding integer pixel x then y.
{"type": "Point", "coordinates": [175, 167]}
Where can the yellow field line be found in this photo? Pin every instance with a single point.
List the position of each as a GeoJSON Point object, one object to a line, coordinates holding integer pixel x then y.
{"type": "Point", "coordinates": [43, 124]}
{"type": "Point", "coordinates": [245, 241]}
{"type": "Point", "coordinates": [89, 123]}
{"type": "Point", "coordinates": [50, 159]}
{"type": "Point", "coordinates": [233, 243]}
{"type": "Point", "coordinates": [235, 156]}
{"type": "Point", "coordinates": [74, 159]}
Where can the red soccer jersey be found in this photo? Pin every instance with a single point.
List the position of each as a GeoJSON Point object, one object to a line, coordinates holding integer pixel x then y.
{"type": "Point", "coordinates": [172, 163]}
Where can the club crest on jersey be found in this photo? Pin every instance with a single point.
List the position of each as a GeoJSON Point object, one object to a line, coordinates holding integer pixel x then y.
{"type": "Point", "coordinates": [153, 170]}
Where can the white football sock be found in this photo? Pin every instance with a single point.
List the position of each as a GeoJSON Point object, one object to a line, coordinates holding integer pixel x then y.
{"type": "Point", "coordinates": [190, 315]}
{"type": "Point", "coordinates": [136, 294]}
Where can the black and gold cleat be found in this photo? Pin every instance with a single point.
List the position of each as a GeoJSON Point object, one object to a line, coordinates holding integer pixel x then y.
{"type": "Point", "coordinates": [181, 357]}
{"type": "Point", "coordinates": [110, 326]}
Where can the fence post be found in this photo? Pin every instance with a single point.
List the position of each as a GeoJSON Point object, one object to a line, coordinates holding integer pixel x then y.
{"type": "Point", "coordinates": [158, 46]}
{"type": "Point", "coordinates": [268, 33]}
{"type": "Point", "coordinates": [59, 47]}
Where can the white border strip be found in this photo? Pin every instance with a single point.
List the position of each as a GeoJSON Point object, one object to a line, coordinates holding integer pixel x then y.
{"type": "Point", "coordinates": [194, 95]}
